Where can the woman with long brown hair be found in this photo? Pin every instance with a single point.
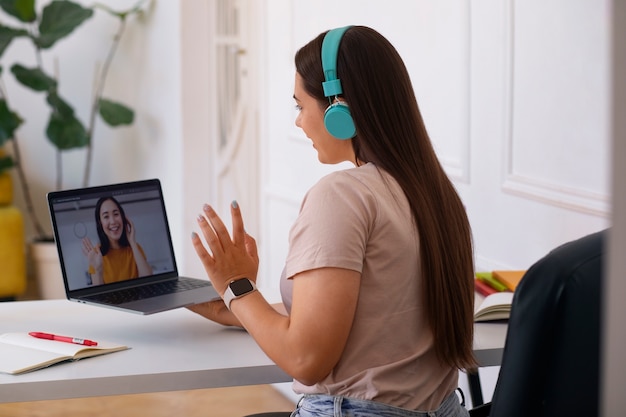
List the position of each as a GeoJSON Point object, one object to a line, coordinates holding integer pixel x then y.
{"type": "Point", "coordinates": [118, 256]}
{"type": "Point", "coordinates": [378, 282]}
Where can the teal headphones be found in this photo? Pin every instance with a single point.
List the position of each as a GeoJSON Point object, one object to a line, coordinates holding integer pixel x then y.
{"type": "Point", "coordinates": [337, 118]}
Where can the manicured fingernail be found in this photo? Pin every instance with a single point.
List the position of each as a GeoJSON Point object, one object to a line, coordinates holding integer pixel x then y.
{"type": "Point", "coordinates": [194, 235]}
{"type": "Point", "coordinates": [234, 204]}
{"type": "Point", "coordinates": [200, 218]}
{"type": "Point", "coordinates": [206, 207]}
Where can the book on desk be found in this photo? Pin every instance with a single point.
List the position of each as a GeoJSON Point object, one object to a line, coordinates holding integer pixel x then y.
{"type": "Point", "coordinates": [20, 352]}
{"type": "Point", "coordinates": [496, 306]}
{"type": "Point", "coordinates": [497, 288]}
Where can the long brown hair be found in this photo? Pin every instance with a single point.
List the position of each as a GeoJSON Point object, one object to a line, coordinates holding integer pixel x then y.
{"type": "Point", "coordinates": [391, 134]}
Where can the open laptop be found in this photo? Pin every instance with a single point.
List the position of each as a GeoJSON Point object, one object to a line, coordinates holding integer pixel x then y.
{"type": "Point", "coordinates": [74, 221]}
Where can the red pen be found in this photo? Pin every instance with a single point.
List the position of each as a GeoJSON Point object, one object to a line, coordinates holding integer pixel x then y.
{"type": "Point", "coordinates": [67, 339]}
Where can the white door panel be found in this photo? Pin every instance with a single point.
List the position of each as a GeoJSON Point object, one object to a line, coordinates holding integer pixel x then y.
{"type": "Point", "coordinates": [236, 157]}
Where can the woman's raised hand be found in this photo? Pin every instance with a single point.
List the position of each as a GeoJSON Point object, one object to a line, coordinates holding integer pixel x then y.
{"type": "Point", "coordinates": [226, 258]}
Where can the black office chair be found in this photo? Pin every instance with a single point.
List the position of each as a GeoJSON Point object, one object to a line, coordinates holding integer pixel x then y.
{"type": "Point", "coordinates": [550, 364]}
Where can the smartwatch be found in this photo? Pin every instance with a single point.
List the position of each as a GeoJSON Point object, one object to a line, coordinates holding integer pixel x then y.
{"type": "Point", "coordinates": [237, 289]}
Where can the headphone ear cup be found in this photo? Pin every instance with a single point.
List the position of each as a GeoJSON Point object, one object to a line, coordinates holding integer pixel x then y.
{"type": "Point", "coordinates": [338, 121]}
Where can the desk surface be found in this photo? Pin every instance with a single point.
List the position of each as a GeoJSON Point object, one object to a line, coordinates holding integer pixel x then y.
{"type": "Point", "coordinates": [174, 350]}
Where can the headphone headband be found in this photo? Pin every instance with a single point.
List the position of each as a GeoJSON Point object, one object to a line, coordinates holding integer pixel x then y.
{"type": "Point", "coordinates": [337, 118]}
{"type": "Point", "coordinates": [330, 48]}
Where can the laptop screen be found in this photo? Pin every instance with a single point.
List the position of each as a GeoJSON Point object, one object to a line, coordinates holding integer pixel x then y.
{"type": "Point", "coordinates": [111, 234]}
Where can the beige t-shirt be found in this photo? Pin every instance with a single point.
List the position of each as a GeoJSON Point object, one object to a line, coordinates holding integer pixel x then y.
{"type": "Point", "coordinates": [359, 219]}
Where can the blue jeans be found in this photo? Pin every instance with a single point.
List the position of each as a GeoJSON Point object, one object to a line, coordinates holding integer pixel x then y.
{"type": "Point", "coordinates": [337, 406]}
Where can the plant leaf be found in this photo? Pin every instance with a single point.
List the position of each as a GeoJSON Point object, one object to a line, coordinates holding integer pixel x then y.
{"type": "Point", "coordinates": [33, 78]}
{"type": "Point", "coordinates": [9, 121]}
{"type": "Point", "coordinates": [115, 114]}
{"type": "Point", "coordinates": [58, 20]}
{"type": "Point", "coordinates": [59, 105]}
{"type": "Point", "coordinates": [66, 132]}
{"type": "Point", "coordinates": [7, 34]}
{"type": "Point", "coordinates": [24, 10]}
{"type": "Point", "coordinates": [5, 163]}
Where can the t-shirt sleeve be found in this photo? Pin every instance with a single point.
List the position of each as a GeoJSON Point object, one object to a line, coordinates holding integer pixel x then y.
{"type": "Point", "coordinates": [332, 227]}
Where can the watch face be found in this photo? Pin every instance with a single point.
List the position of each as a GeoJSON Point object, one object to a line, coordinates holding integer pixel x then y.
{"type": "Point", "coordinates": [240, 287]}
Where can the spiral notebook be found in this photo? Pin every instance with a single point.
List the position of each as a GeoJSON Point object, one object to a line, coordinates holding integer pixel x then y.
{"type": "Point", "coordinates": [74, 220]}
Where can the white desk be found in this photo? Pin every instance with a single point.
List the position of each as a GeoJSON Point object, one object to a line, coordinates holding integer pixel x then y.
{"type": "Point", "coordinates": [175, 350]}
{"type": "Point", "coordinates": [489, 343]}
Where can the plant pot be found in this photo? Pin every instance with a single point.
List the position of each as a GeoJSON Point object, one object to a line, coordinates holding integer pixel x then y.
{"type": "Point", "coordinates": [47, 270]}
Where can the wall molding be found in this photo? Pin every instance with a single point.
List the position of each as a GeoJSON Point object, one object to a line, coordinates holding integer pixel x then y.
{"type": "Point", "coordinates": [459, 168]}
{"type": "Point", "coordinates": [544, 191]}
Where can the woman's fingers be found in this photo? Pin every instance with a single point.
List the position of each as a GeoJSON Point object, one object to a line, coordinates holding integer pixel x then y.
{"type": "Point", "coordinates": [214, 231]}
{"type": "Point", "coordinates": [239, 234]}
{"type": "Point", "coordinates": [206, 258]}
{"type": "Point", "coordinates": [215, 234]}
{"type": "Point", "coordinates": [225, 259]}
{"type": "Point", "coordinates": [87, 246]}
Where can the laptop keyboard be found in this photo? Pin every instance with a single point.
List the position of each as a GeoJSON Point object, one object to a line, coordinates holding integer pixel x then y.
{"type": "Point", "coordinates": [148, 291]}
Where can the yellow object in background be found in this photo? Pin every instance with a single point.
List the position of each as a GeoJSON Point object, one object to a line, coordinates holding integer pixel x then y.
{"type": "Point", "coordinates": [12, 244]}
{"type": "Point", "coordinates": [509, 278]}
{"type": "Point", "coordinates": [6, 189]}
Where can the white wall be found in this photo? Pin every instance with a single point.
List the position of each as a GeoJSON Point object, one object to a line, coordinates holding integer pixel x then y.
{"type": "Point", "coordinates": [199, 123]}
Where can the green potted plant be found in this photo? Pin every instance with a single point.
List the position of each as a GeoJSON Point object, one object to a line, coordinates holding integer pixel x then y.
{"type": "Point", "coordinates": [64, 130]}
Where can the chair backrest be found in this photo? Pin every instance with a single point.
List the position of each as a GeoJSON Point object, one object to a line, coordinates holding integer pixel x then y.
{"type": "Point", "coordinates": [550, 364]}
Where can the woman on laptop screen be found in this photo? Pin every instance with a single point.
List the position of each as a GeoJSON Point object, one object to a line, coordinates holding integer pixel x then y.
{"type": "Point", "coordinates": [118, 257]}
